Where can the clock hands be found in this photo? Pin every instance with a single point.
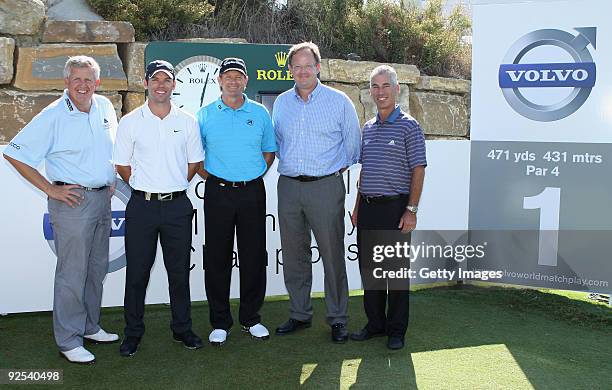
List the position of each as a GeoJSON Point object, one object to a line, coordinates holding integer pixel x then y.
{"type": "Point", "coordinates": [204, 89]}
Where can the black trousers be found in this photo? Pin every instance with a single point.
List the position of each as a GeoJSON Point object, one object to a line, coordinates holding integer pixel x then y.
{"type": "Point", "coordinates": [239, 210]}
{"type": "Point", "coordinates": [145, 222]}
{"type": "Point", "coordinates": [387, 310]}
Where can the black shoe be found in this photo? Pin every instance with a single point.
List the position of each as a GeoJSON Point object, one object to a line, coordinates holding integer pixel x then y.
{"type": "Point", "coordinates": [129, 346]}
{"type": "Point", "coordinates": [291, 326]}
{"type": "Point", "coordinates": [364, 334]}
{"type": "Point", "coordinates": [395, 342]}
{"type": "Point", "coordinates": [339, 334]}
{"type": "Point", "coordinates": [189, 339]}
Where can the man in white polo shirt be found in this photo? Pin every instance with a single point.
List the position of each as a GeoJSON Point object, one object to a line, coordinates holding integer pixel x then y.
{"type": "Point", "coordinates": [158, 151]}
{"type": "Point", "coordinates": [74, 135]}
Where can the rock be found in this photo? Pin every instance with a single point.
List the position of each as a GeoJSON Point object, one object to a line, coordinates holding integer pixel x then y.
{"type": "Point", "coordinates": [40, 68]}
{"type": "Point", "coordinates": [71, 10]}
{"type": "Point", "coordinates": [445, 138]}
{"type": "Point", "coordinates": [133, 57]}
{"type": "Point", "coordinates": [213, 40]}
{"type": "Point", "coordinates": [324, 73]}
{"type": "Point", "coordinates": [440, 114]}
{"type": "Point", "coordinates": [87, 31]}
{"type": "Point", "coordinates": [117, 101]}
{"type": "Point", "coordinates": [17, 108]}
{"type": "Point", "coordinates": [21, 17]}
{"type": "Point", "coordinates": [132, 100]}
{"type": "Point", "coordinates": [443, 84]}
{"type": "Point", "coordinates": [7, 47]}
{"type": "Point", "coordinates": [352, 91]}
{"type": "Point", "coordinates": [359, 71]}
{"type": "Point", "coordinates": [370, 107]}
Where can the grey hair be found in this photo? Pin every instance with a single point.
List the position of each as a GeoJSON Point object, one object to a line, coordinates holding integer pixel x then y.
{"type": "Point", "coordinates": [81, 62]}
{"type": "Point", "coordinates": [384, 69]}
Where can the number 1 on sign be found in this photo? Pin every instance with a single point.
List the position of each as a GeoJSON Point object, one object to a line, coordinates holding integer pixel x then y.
{"type": "Point", "coordinates": [549, 203]}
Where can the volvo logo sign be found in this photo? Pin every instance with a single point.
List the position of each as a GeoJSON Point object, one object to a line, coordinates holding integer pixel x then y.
{"type": "Point", "coordinates": [579, 75]}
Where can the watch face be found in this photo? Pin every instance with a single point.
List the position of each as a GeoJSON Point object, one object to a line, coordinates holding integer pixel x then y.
{"type": "Point", "coordinates": [196, 83]}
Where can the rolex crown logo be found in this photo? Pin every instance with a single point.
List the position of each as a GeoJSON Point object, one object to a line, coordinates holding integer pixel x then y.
{"type": "Point", "coordinates": [281, 58]}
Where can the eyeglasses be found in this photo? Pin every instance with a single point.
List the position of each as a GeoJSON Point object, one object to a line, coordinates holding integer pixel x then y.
{"type": "Point", "coordinates": [307, 68]}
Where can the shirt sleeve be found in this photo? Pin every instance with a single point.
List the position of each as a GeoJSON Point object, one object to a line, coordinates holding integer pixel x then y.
{"type": "Point", "coordinates": [276, 124]}
{"type": "Point", "coordinates": [351, 133]}
{"type": "Point", "coordinates": [415, 146]}
{"type": "Point", "coordinates": [113, 121]}
{"type": "Point", "coordinates": [268, 142]}
{"type": "Point", "coordinates": [201, 119]}
{"type": "Point", "coordinates": [124, 144]}
{"type": "Point", "coordinates": [32, 144]}
{"type": "Point", "coordinates": [360, 161]}
{"type": "Point", "coordinates": [195, 153]}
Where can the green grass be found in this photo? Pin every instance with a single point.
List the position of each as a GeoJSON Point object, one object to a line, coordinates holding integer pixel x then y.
{"type": "Point", "coordinates": [466, 338]}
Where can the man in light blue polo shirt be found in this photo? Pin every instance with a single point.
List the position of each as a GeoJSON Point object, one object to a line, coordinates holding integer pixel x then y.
{"type": "Point", "coordinates": [239, 146]}
{"type": "Point", "coordinates": [74, 135]}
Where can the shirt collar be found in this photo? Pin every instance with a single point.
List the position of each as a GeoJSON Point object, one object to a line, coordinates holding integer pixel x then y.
{"type": "Point", "coordinates": [72, 109]}
{"type": "Point", "coordinates": [246, 106]}
{"type": "Point", "coordinates": [392, 117]}
{"type": "Point", "coordinates": [147, 113]}
{"type": "Point", "coordinates": [312, 95]}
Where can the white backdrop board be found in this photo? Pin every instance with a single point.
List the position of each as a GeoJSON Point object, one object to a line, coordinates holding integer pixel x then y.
{"type": "Point", "coordinates": [27, 262]}
{"type": "Point", "coordinates": [540, 141]}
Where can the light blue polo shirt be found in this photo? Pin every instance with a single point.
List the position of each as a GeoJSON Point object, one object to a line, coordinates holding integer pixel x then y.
{"type": "Point", "coordinates": [234, 140]}
{"type": "Point", "coordinates": [77, 146]}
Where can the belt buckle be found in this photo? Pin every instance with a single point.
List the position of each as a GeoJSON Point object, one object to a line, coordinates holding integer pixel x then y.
{"type": "Point", "coordinates": [165, 197]}
{"type": "Point", "coordinates": [87, 188]}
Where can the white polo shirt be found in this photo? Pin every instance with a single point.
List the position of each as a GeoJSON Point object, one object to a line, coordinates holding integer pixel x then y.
{"type": "Point", "coordinates": [158, 150]}
{"type": "Point", "coordinates": [76, 146]}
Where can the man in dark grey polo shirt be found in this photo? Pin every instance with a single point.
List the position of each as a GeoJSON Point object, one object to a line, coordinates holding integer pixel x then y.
{"type": "Point", "coordinates": [393, 168]}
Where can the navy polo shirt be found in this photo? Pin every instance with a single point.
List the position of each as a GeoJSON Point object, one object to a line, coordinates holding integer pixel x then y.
{"type": "Point", "coordinates": [234, 140]}
{"type": "Point", "coordinates": [390, 150]}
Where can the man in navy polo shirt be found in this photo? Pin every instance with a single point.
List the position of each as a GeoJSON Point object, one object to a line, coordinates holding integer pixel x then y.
{"type": "Point", "coordinates": [392, 172]}
{"type": "Point", "coordinates": [239, 146]}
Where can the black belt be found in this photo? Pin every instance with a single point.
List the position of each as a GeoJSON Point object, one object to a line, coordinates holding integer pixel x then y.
{"type": "Point", "coordinates": [61, 183]}
{"type": "Point", "coordinates": [159, 196]}
{"type": "Point", "coordinates": [232, 184]}
{"type": "Point", "coordinates": [305, 178]}
{"type": "Point", "coordinates": [382, 198]}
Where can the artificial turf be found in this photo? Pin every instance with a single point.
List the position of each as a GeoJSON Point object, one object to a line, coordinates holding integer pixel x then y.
{"type": "Point", "coordinates": [458, 338]}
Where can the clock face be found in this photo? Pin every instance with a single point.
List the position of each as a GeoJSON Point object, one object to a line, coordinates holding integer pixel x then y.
{"type": "Point", "coordinates": [196, 83]}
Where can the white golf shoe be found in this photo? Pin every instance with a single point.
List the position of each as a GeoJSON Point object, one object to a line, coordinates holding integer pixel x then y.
{"type": "Point", "coordinates": [79, 355]}
{"type": "Point", "coordinates": [257, 331]}
{"type": "Point", "coordinates": [218, 336]}
{"type": "Point", "coordinates": [101, 337]}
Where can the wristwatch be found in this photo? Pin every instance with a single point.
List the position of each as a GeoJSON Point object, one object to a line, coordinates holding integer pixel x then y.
{"type": "Point", "coordinates": [412, 209]}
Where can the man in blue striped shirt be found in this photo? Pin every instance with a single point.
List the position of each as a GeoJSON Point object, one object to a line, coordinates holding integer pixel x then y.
{"type": "Point", "coordinates": [393, 165]}
{"type": "Point", "coordinates": [318, 135]}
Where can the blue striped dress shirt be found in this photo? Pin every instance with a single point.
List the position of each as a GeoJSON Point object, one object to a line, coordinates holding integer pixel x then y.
{"type": "Point", "coordinates": [317, 137]}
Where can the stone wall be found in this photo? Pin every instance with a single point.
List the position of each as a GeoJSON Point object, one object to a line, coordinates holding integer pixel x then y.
{"type": "Point", "coordinates": [33, 50]}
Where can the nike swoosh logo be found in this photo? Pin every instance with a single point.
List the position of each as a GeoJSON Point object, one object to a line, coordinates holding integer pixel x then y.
{"type": "Point", "coordinates": [177, 131]}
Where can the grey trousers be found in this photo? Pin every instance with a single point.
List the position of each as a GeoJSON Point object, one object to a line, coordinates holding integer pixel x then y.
{"type": "Point", "coordinates": [316, 206]}
{"type": "Point", "coordinates": [81, 237]}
